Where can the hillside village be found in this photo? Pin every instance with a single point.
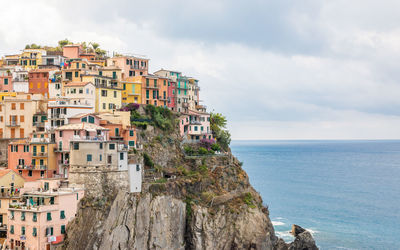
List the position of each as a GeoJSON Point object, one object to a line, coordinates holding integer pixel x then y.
{"type": "Point", "coordinates": [71, 114]}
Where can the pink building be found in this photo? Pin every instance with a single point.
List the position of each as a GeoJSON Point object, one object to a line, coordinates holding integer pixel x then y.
{"type": "Point", "coordinates": [195, 126]}
{"type": "Point", "coordinates": [72, 51]}
{"type": "Point", "coordinates": [40, 219]}
{"type": "Point", "coordinates": [130, 65]}
{"type": "Point", "coordinates": [77, 131]}
{"type": "Point", "coordinates": [6, 84]}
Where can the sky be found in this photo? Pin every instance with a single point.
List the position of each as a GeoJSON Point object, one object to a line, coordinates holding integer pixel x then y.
{"type": "Point", "coordinates": [283, 69]}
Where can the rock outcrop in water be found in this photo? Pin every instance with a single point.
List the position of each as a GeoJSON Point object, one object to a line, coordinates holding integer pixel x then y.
{"type": "Point", "coordinates": [207, 203]}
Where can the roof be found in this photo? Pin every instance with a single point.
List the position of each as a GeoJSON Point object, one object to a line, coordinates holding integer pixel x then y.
{"type": "Point", "coordinates": [3, 172]}
{"type": "Point", "coordinates": [19, 142]}
{"type": "Point", "coordinates": [39, 70]}
{"type": "Point", "coordinates": [77, 84]}
{"type": "Point", "coordinates": [81, 126]}
{"type": "Point", "coordinates": [83, 114]}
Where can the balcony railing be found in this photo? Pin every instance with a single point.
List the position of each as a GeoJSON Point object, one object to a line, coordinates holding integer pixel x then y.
{"type": "Point", "coordinates": [39, 154]}
{"type": "Point", "coordinates": [63, 162]}
{"type": "Point", "coordinates": [88, 138]}
{"type": "Point", "coordinates": [32, 167]}
{"type": "Point", "coordinates": [38, 124]}
{"type": "Point", "coordinates": [151, 87]}
{"type": "Point", "coordinates": [12, 124]}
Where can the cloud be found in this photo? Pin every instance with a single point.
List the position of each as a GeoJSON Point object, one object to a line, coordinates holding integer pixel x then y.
{"type": "Point", "coordinates": [277, 69]}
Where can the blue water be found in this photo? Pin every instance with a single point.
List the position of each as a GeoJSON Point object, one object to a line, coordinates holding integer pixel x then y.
{"type": "Point", "coordinates": [346, 192]}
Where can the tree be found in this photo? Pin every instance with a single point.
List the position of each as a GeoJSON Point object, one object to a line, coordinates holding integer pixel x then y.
{"type": "Point", "coordinates": [218, 126]}
{"type": "Point", "coordinates": [95, 46]}
{"type": "Point", "coordinates": [64, 42]}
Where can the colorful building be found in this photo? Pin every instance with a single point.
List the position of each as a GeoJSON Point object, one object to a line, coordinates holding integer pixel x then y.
{"type": "Point", "coordinates": [39, 221]}
{"type": "Point", "coordinates": [6, 80]}
{"type": "Point", "coordinates": [131, 91]}
{"type": "Point", "coordinates": [120, 127]}
{"type": "Point", "coordinates": [21, 114]}
{"type": "Point", "coordinates": [72, 50]}
{"type": "Point", "coordinates": [130, 65]}
{"type": "Point", "coordinates": [39, 81]}
{"type": "Point", "coordinates": [31, 58]}
{"type": "Point", "coordinates": [10, 184]}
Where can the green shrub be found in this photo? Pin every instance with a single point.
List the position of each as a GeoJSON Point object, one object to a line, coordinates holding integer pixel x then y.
{"type": "Point", "coordinates": [188, 150]}
{"type": "Point", "coordinates": [202, 151]}
{"type": "Point", "coordinates": [147, 160]}
{"type": "Point", "coordinates": [161, 180]}
{"type": "Point", "coordinates": [248, 199]}
{"type": "Point", "coordinates": [203, 169]}
{"type": "Point", "coordinates": [216, 147]}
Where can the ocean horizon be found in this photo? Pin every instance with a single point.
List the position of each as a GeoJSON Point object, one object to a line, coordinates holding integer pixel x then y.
{"type": "Point", "coordinates": [345, 192]}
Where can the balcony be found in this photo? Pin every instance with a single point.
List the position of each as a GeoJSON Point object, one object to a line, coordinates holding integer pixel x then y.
{"type": "Point", "coordinates": [151, 87]}
{"type": "Point", "coordinates": [40, 140]}
{"type": "Point", "coordinates": [63, 162]}
{"type": "Point", "coordinates": [162, 98]}
{"type": "Point", "coordinates": [32, 167]}
{"type": "Point", "coordinates": [39, 154]}
{"type": "Point", "coordinates": [60, 150]}
{"type": "Point", "coordinates": [88, 138]}
{"type": "Point", "coordinates": [185, 104]}
{"type": "Point", "coordinates": [38, 124]}
{"type": "Point", "coordinates": [182, 87]}
{"type": "Point", "coordinates": [13, 124]}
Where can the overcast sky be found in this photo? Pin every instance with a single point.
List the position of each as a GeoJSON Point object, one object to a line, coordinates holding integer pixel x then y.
{"type": "Point", "coordinates": [278, 69]}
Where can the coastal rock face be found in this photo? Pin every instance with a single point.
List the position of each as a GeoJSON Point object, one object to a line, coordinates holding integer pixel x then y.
{"type": "Point", "coordinates": [208, 204]}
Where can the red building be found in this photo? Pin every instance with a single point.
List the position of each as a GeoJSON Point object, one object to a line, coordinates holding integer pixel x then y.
{"type": "Point", "coordinates": [39, 81]}
{"type": "Point", "coordinates": [171, 95]}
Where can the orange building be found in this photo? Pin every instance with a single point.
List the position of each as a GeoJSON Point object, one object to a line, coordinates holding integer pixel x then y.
{"type": "Point", "coordinates": [154, 89]}
{"type": "Point", "coordinates": [39, 81]}
{"type": "Point", "coordinates": [130, 65]}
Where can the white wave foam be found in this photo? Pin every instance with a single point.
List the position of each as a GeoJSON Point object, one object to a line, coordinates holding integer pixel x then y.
{"type": "Point", "coordinates": [285, 235]}
{"type": "Point", "coordinates": [278, 223]}
{"type": "Point", "coordinates": [312, 232]}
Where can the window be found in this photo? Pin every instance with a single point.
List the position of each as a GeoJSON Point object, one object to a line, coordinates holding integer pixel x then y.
{"type": "Point", "coordinates": [76, 146]}
{"type": "Point", "coordinates": [115, 94]}
{"type": "Point", "coordinates": [103, 92]}
{"type": "Point", "coordinates": [155, 83]}
{"type": "Point", "coordinates": [77, 65]}
{"type": "Point", "coordinates": [49, 216]}
{"type": "Point", "coordinates": [42, 149]}
{"type": "Point", "coordinates": [46, 186]}
{"type": "Point", "coordinates": [110, 105]}
{"type": "Point", "coordinates": [131, 133]}
{"type": "Point", "coordinates": [22, 216]}
{"type": "Point", "coordinates": [104, 106]}
{"type": "Point", "coordinates": [100, 73]}
{"type": "Point", "coordinates": [62, 214]}
{"type": "Point", "coordinates": [22, 106]}
{"type": "Point", "coordinates": [21, 118]}
{"type": "Point", "coordinates": [76, 74]}
{"type": "Point", "coordinates": [30, 173]}
{"type": "Point", "coordinates": [80, 90]}
{"type": "Point", "coordinates": [89, 157]}
{"type": "Point", "coordinates": [5, 81]}
{"type": "Point", "coordinates": [87, 91]}
{"type": "Point", "coordinates": [121, 156]}
{"type": "Point", "coordinates": [49, 231]}
{"type": "Point", "coordinates": [12, 215]}
{"type": "Point", "coordinates": [62, 229]}
{"type": "Point", "coordinates": [195, 128]}
{"type": "Point", "coordinates": [77, 196]}
{"type": "Point", "coordinates": [116, 131]}
{"type": "Point", "coordinates": [34, 231]}
{"type": "Point", "coordinates": [91, 119]}
{"type": "Point", "coordinates": [131, 143]}
{"type": "Point", "coordinates": [100, 157]}
{"type": "Point", "coordinates": [111, 146]}
{"type": "Point", "coordinates": [22, 230]}
{"type": "Point", "coordinates": [52, 200]}
{"type": "Point", "coordinates": [147, 82]}
{"type": "Point", "coordinates": [12, 229]}
{"type": "Point", "coordinates": [13, 106]}
{"type": "Point", "coordinates": [101, 145]}
{"type": "Point", "coordinates": [147, 93]}
{"type": "Point", "coordinates": [34, 218]}
{"type": "Point", "coordinates": [61, 133]}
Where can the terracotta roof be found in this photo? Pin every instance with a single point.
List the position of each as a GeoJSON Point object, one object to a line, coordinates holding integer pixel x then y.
{"type": "Point", "coordinates": [3, 172]}
{"type": "Point", "coordinates": [77, 84]}
{"type": "Point", "coordinates": [81, 126]}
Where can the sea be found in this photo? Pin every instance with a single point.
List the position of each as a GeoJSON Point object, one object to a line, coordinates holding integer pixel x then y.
{"type": "Point", "coordinates": [346, 193]}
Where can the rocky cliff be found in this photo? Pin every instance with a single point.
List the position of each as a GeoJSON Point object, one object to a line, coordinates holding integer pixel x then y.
{"type": "Point", "coordinates": [187, 203]}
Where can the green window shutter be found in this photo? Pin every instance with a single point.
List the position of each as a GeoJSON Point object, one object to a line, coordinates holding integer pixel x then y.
{"type": "Point", "coordinates": [12, 229]}
{"type": "Point", "coordinates": [89, 157]}
{"type": "Point", "coordinates": [5, 81]}
{"type": "Point", "coordinates": [62, 229]}
{"type": "Point", "coordinates": [34, 218]}
{"type": "Point", "coordinates": [76, 74]}
{"type": "Point", "coordinates": [84, 119]}
{"type": "Point", "coordinates": [132, 143]}
{"type": "Point", "coordinates": [111, 146]}
{"type": "Point", "coordinates": [49, 216]}
{"type": "Point", "coordinates": [22, 216]}
{"type": "Point", "coordinates": [22, 230]}
{"type": "Point", "coordinates": [91, 119]}
{"type": "Point", "coordinates": [62, 214]}
{"type": "Point", "coordinates": [131, 133]}
{"type": "Point", "coordinates": [34, 231]}
{"type": "Point", "coordinates": [51, 231]}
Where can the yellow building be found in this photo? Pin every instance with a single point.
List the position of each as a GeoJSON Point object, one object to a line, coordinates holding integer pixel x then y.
{"type": "Point", "coordinates": [131, 91]}
{"type": "Point", "coordinates": [10, 184]}
{"type": "Point", "coordinates": [43, 156]}
{"type": "Point", "coordinates": [31, 58]}
{"type": "Point", "coordinates": [4, 94]}
{"type": "Point", "coordinates": [108, 92]}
